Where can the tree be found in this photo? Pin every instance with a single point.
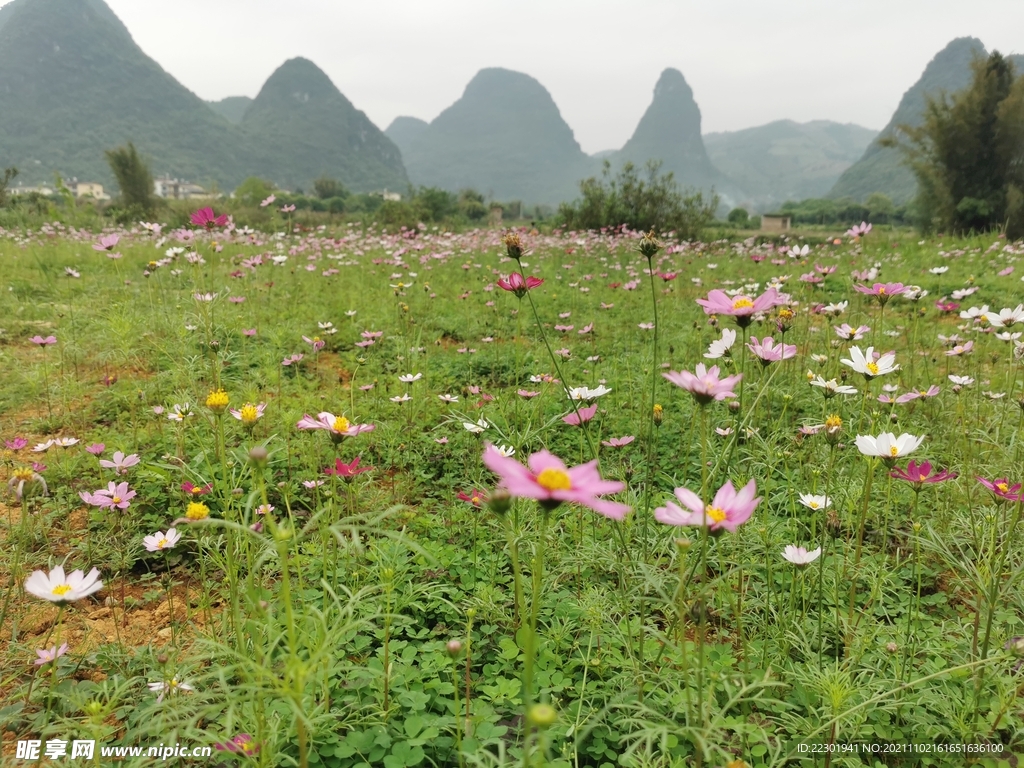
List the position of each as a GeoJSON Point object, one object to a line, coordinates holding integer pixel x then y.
{"type": "Point", "coordinates": [326, 188]}
{"type": "Point", "coordinates": [134, 179]}
{"type": "Point", "coordinates": [253, 191]}
{"type": "Point", "coordinates": [653, 201]}
{"type": "Point", "coordinates": [8, 177]}
{"type": "Point", "coordinates": [880, 208]}
{"type": "Point", "coordinates": [967, 154]}
{"type": "Point", "coordinates": [739, 216]}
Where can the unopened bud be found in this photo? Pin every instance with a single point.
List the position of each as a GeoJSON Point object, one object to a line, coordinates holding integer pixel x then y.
{"type": "Point", "coordinates": [649, 246]}
{"type": "Point", "coordinates": [659, 415]}
{"type": "Point", "coordinates": [454, 648]}
{"type": "Point", "coordinates": [542, 715]}
{"type": "Point", "coordinates": [500, 501]}
{"type": "Point", "coordinates": [258, 455]}
{"type": "Point", "coordinates": [162, 658]}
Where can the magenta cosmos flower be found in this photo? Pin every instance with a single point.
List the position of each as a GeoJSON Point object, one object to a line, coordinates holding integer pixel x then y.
{"type": "Point", "coordinates": [519, 285]}
{"type": "Point", "coordinates": [770, 352]}
{"type": "Point", "coordinates": [550, 482]}
{"type": "Point", "coordinates": [114, 496]}
{"type": "Point", "coordinates": [882, 291]}
{"type": "Point", "coordinates": [346, 471]}
{"type": "Point", "coordinates": [338, 426]}
{"type": "Point", "coordinates": [729, 510]}
{"type": "Point", "coordinates": [1001, 488]}
{"type": "Point", "coordinates": [205, 217]}
{"type": "Point", "coordinates": [43, 342]}
{"type": "Point", "coordinates": [704, 383]}
{"type": "Point", "coordinates": [741, 307]}
{"type": "Point", "coordinates": [919, 474]}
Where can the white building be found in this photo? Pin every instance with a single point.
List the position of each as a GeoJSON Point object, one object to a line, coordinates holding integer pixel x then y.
{"type": "Point", "coordinates": [176, 189]}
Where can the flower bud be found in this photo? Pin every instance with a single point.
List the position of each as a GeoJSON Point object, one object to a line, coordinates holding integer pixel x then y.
{"type": "Point", "coordinates": [259, 455]}
{"type": "Point", "coordinates": [659, 414]}
{"type": "Point", "coordinates": [500, 501]}
{"type": "Point", "coordinates": [649, 246]}
{"type": "Point", "coordinates": [454, 648]}
{"type": "Point", "coordinates": [542, 715]}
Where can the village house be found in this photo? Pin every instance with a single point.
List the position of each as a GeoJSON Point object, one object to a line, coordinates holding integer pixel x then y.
{"type": "Point", "coordinates": [177, 189]}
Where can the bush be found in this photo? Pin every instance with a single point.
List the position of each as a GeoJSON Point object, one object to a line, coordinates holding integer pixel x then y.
{"type": "Point", "coordinates": [135, 181]}
{"type": "Point", "coordinates": [641, 203]}
{"type": "Point", "coordinates": [739, 217]}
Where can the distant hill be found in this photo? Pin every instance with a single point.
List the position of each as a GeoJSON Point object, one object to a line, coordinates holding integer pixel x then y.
{"type": "Point", "coordinates": [232, 108]}
{"type": "Point", "coordinates": [404, 131]}
{"type": "Point", "coordinates": [785, 160]}
{"type": "Point", "coordinates": [505, 138]}
{"type": "Point", "coordinates": [73, 83]}
{"type": "Point", "coordinates": [302, 127]}
{"type": "Point", "coordinates": [670, 131]}
{"type": "Point", "coordinates": [881, 168]}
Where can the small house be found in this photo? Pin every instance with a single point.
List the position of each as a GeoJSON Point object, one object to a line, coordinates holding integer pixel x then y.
{"type": "Point", "coordinates": [776, 222]}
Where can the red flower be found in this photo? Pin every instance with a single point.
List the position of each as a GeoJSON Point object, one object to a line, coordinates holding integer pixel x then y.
{"type": "Point", "coordinates": [519, 285]}
{"type": "Point", "coordinates": [347, 471]}
{"type": "Point", "coordinates": [474, 497]}
{"type": "Point", "coordinates": [205, 217]}
{"type": "Point", "coordinates": [921, 473]}
{"type": "Point", "coordinates": [196, 490]}
{"type": "Point", "coordinates": [1001, 488]}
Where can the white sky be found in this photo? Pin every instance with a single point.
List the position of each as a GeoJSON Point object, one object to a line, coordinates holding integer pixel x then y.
{"type": "Point", "coordinates": [748, 61]}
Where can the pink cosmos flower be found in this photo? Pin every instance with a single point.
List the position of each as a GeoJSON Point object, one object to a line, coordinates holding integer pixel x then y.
{"type": "Point", "coordinates": [729, 510]}
{"type": "Point", "coordinates": [316, 342]}
{"type": "Point", "coordinates": [932, 391]}
{"type": "Point", "coordinates": [882, 291]}
{"type": "Point", "coordinates": [96, 449]}
{"type": "Point", "coordinates": [249, 332]}
{"type": "Point", "coordinates": [741, 307]}
{"type": "Point", "coordinates": [947, 306]}
{"type": "Point", "coordinates": [858, 230]}
{"type": "Point", "coordinates": [292, 360]}
{"type": "Point", "coordinates": [106, 243]}
{"type": "Point", "coordinates": [770, 352]}
{"type": "Point", "coordinates": [585, 415]}
{"type": "Point", "coordinates": [196, 490]}
{"type": "Point", "coordinates": [268, 201]}
{"type": "Point", "coordinates": [960, 349]}
{"type": "Point", "coordinates": [338, 426]}
{"type": "Point", "coordinates": [918, 474]}
{"type": "Point", "coordinates": [346, 471]}
{"type": "Point", "coordinates": [114, 496]}
{"type": "Point", "coordinates": [618, 442]}
{"type": "Point", "coordinates": [43, 342]}
{"type": "Point", "coordinates": [848, 332]}
{"type": "Point", "coordinates": [548, 480]}
{"type": "Point", "coordinates": [243, 743]}
{"type": "Point", "coordinates": [287, 209]}
{"type": "Point", "coordinates": [704, 383]}
{"type": "Point", "coordinates": [205, 217]}
{"type": "Point", "coordinates": [16, 444]}
{"type": "Point", "coordinates": [46, 655]}
{"type": "Point", "coordinates": [527, 393]}
{"type": "Point", "coordinates": [519, 285]}
{"type": "Point", "coordinates": [120, 463]}
{"type": "Point", "coordinates": [1001, 488]}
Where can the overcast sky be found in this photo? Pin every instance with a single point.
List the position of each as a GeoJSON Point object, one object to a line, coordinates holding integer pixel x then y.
{"type": "Point", "coordinates": [748, 61]}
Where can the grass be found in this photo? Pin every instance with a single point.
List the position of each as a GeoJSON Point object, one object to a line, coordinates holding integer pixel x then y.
{"type": "Point", "coordinates": [382, 620]}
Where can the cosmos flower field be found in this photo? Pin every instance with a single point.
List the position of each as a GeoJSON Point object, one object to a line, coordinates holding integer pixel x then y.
{"type": "Point", "coordinates": [339, 497]}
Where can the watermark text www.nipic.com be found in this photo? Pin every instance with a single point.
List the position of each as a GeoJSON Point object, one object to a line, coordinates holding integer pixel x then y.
{"type": "Point", "coordinates": [86, 749]}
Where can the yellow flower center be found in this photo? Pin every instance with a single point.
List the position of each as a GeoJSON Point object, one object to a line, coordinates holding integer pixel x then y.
{"type": "Point", "coordinates": [813, 505]}
{"type": "Point", "coordinates": [553, 479]}
{"type": "Point", "coordinates": [249, 413]}
{"type": "Point", "coordinates": [161, 544]}
{"type": "Point", "coordinates": [197, 511]}
{"type": "Point", "coordinates": [785, 314]}
{"type": "Point", "coordinates": [475, 499]}
{"type": "Point", "coordinates": [715, 514]}
{"type": "Point", "coordinates": [881, 291]}
{"type": "Point", "coordinates": [316, 339]}
{"type": "Point", "coordinates": [218, 399]}
{"type": "Point", "coordinates": [23, 475]}
{"type": "Point", "coordinates": [742, 302]}
{"type": "Point", "coordinates": [61, 589]}
{"type": "Point", "coordinates": [833, 422]}
{"type": "Point", "coordinates": [872, 368]}
{"type": "Point", "coordinates": [658, 409]}
{"type": "Point", "coordinates": [341, 424]}
{"type": "Point", "coordinates": [894, 451]}
{"type": "Point", "coordinates": [1003, 487]}
{"type": "Point", "coordinates": [115, 499]}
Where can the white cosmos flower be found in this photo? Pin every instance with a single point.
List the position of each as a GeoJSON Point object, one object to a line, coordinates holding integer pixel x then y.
{"type": "Point", "coordinates": [963, 381]}
{"type": "Point", "coordinates": [449, 398]}
{"type": "Point", "coordinates": [409, 378]}
{"type": "Point", "coordinates": [720, 347]}
{"type": "Point", "coordinates": [973, 312]}
{"type": "Point", "coordinates": [401, 398]}
{"type": "Point", "coordinates": [914, 293]}
{"type": "Point", "coordinates": [832, 387]}
{"type": "Point", "coordinates": [887, 445]}
{"type": "Point", "coordinates": [506, 450]}
{"type": "Point", "coordinates": [799, 555]}
{"type": "Point", "coordinates": [811, 501]}
{"type": "Point", "coordinates": [939, 270]}
{"type": "Point", "coordinates": [477, 427]}
{"type": "Point", "coordinates": [167, 687]}
{"type": "Point", "coordinates": [1006, 317]}
{"type": "Point", "coordinates": [865, 363]}
{"type": "Point", "coordinates": [586, 393]}
{"type": "Point", "coordinates": [57, 587]}
{"type": "Point", "coordinates": [160, 540]}
{"type": "Point", "coordinates": [836, 309]}
{"type": "Point", "coordinates": [1007, 336]}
